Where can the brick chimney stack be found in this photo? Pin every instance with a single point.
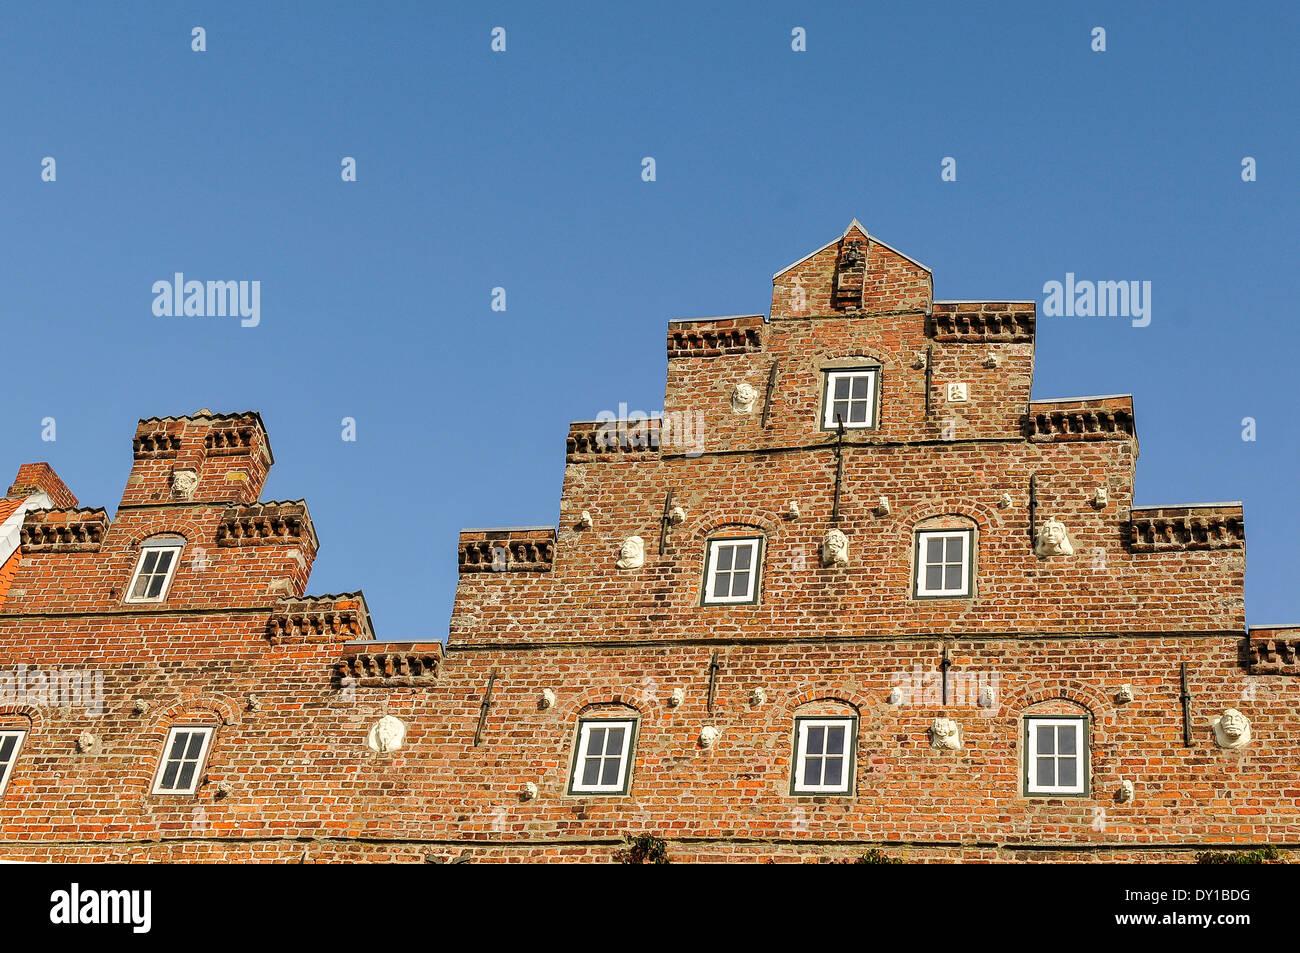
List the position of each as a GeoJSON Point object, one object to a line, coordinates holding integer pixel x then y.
{"type": "Point", "coordinates": [40, 478]}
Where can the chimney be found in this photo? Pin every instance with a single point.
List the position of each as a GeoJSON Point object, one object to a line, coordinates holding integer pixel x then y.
{"type": "Point", "coordinates": [40, 478]}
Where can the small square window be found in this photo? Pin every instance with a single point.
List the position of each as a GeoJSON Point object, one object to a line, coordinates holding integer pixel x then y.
{"type": "Point", "coordinates": [824, 755]}
{"type": "Point", "coordinates": [943, 563]}
{"type": "Point", "coordinates": [732, 570]}
{"type": "Point", "coordinates": [1056, 756]}
{"type": "Point", "coordinates": [154, 571]}
{"type": "Point", "coordinates": [850, 395]}
{"type": "Point", "coordinates": [602, 761]}
{"type": "Point", "coordinates": [11, 742]}
{"type": "Point", "coordinates": [182, 761]}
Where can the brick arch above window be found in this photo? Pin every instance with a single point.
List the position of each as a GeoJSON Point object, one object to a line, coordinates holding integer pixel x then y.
{"type": "Point", "coordinates": [1027, 698]}
{"type": "Point", "coordinates": [803, 699]}
{"type": "Point", "coordinates": [219, 708]}
{"type": "Point", "coordinates": [738, 521]}
{"type": "Point", "coordinates": [642, 703]}
{"type": "Point", "coordinates": [20, 718]}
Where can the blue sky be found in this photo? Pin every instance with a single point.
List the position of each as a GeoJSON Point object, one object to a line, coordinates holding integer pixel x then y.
{"type": "Point", "coordinates": [522, 170]}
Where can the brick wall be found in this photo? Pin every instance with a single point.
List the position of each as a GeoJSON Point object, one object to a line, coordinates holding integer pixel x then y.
{"type": "Point", "coordinates": [547, 628]}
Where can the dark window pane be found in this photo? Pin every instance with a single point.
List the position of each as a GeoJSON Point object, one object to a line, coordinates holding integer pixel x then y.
{"type": "Point", "coordinates": [196, 742]}
{"type": "Point", "coordinates": [740, 584]}
{"type": "Point", "coordinates": [842, 385]}
{"type": "Point", "coordinates": [954, 549]}
{"type": "Point", "coordinates": [860, 386]}
{"type": "Point", "coordinates": [614, 741]}
{"type": "Point", "coordinates": [140, 588]}
{"type": "Point", "coordinates": [812, 772]}
{"type": "Point", "coordinates": [187, 775]}
{"type": "Point", "coordinates": [952, 579]}
{"type": "Point", "coordinates": [724, 557]}
{"type": "Point", "coordinates": [1046, 772]}
{"type": "Point", "coordinates": [816, 739]}
{"type": "Point", "coordinates": [148, 562]}
{"type": "Point", "coordinates": [155, 586]}
{"type": "Point", "coordinates": [7, 745]}
{"type": "Point", "coordinates": [169, 776]}
{"type": "Point", "coordinates": [178, 745]}
{"type": "Point", "coordinates": [840, 411]}
{"type": "Point", "coordinates": [834, 770]}
{"type": "Point", "coordinates": [743, 556]}
{"type": "Point", "coordinates": [590, 771]}
{"type": "Point", "coordinates": [1069, 771]}
{"type": "Point", "coordinates": [835, 740]}
{"type": "Point", "coordinates": [610, 777]}
{"type": "Point", "coordinates": [1065, 739]}
{"type": "Point", "coordinates": [1046, 739]}
{"type": "Point", "coordinates": [934, 578]}
{"type": "Point", "coordinates": [164, 560]}
{"type": "Point", "coordinates": [934, 550]}
{"type": "Point", "coordinates": [721, 584]}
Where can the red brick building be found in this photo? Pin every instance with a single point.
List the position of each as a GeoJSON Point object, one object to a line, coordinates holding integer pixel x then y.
{"type": "Point", "coordinates": [853, 589]}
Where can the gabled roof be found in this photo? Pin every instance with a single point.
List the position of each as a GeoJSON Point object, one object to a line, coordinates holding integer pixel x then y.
{"type": "Point", "coordinates": [835, 241]}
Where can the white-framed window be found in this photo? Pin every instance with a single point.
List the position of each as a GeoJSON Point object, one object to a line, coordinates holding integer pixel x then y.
{"type": "Point", "coordinates": [943, 563]}
{"type": "Point", "coordinates": [11, 742]}
{"type": "Point", "coordinates": [183, 758]}
{"type": "Point", "coordinates": [1056, 756]}
{"type": "Point", "coordinates": [154, 569]}
{"type": "Point", "coordinates": [850, 396]}
{"type": "Point", "coordinates": [602, 760]}
{"type": "Point", "coordinates": [732, 569]}
{"type": "Point", "coordinates": [824, 755]}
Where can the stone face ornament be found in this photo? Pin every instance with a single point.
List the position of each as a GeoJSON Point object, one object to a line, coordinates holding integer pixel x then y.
{"type": "Point", "coordinates": [676, 697]}
{"type": "Point", "coordinates": [945, 734]}
{"type": "Point", "coordinates": [1231, 729]}
{"type": "Point", "coordinates": [743, 397]}
{"type": "Point", "coordinates": [632, 553]}
{"type": "Point", "coordinates": [835, 549]}
{"type": "Point", "coordinates": [1125, 694]}
{"type": "Point", "coordinates": [185, 483]}
{"type": "Point", "coordinates": [709, 736]}
{"type": "Point", "coordinates": [387, 735]}
{"type": "Point", "coordinates": [547, 699]}
{"type": "Point", "coordinates": [1053, 540]}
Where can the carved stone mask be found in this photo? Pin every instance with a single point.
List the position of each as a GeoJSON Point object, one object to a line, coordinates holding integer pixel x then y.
{"type": "Point", "coordinates": [1053, 539]}
{"type": "Point", "coordinates": [184, 483]}
{"type": "Point", "coordinates": [387, 735]}
{"type": "Point", "coordinates": [835, 549]}
{"type": "Point", "coordinates": [631, 554]}
{"type": "Point", "coordinates": [743, 397]}
{"type": "Point", "coordinates": [1231, 729]}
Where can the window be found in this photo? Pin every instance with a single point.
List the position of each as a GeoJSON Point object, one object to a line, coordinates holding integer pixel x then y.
{"type": "Point", "coordinates": [1056, 756]}
{"type": "Point", "coordinates": [154, 571]}
{"type": "Point", "coordinates": [850, 395]}
{"type": "Point", "coordinates": [182, 761]}
{"type": "Point", "coordinates": [11, 743]}
{"type": "Point", "coordinates": [824, 755]}
{"type": "Point", "coordinates": [602, 761]}
{"type": "Point", "coordinates": [731, 573]}
{"type": "Point", "coordinates": [943, 563]}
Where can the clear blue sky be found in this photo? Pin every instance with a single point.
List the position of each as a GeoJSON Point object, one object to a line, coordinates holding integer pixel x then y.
{"type": "Point", "coordinates": [522, 169]}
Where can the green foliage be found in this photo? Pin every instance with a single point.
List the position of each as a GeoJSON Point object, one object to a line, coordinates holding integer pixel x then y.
{"type": "Point", "coordinates": [644, 849]}
{"type": "Point", "coordinates": [1261, 855]}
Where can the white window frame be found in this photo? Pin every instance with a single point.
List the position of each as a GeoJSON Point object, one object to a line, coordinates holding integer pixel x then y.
{"type": "Point", "coordinates": [7, 767]}
{"type": "Point", "coordinates": [922, 591]}
{"type": "Point", "coordinates": [581, 756]}
{"type": "Point", "coordinates": [849, 755]}
{"type": "Point", "coordinates": [200, 762]}
{"type": "Point", "coordinates": [172, 545]}
{"type": "Point", "coordinates": [1081, 756]}
{"type": "Point", "coordinates": [750, 596]}
{"type": "Point", "coordinates": [828, 404]}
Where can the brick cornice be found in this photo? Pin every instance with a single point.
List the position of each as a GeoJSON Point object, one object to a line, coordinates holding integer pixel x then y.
{"type": "Point", "coordinates": [600, 439]}
{"type": "Point", "coordinates": [978, 322]}
{"type": "Point", "coordinates": [1107, 418]}
{"type": "Point", "coordinates": [267, 524]}
{"type": "Point", "coordinates": [391, 665]}
{"type": "Point", "coordinates": [507, 550]}
{"type": "Point", "coordinates": [64, 530]}
{"type": "Point", "coordinates": [1275, 650]}
{"type": "Point", "coordinates": [741, 335]}
{"type": "Point", "coordinates": [332, 618]}
{"type": "Point", "coordinates": [1174, 528]}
